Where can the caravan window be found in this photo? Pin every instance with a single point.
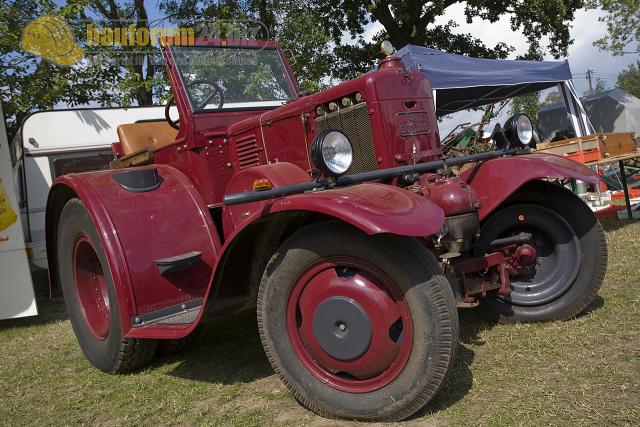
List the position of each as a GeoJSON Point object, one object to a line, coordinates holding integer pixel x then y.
{"type": "Point", "coordinates": [64, 164]}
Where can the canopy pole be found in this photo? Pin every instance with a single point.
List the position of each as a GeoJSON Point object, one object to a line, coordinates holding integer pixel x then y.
{"type": "Point", "coordinates": [583, 114]}
{"type": "Point", "coordinates": [567, 97]}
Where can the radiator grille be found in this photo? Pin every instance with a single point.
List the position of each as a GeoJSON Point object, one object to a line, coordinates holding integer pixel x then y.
{"type": "Point", "coordinates": [248, 153]}
{"type": "Point", "coordinates": [354, 122]}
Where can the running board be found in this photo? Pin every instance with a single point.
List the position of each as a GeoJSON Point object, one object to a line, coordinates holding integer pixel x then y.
{"type": "Point", "coordinates": [179, 314]}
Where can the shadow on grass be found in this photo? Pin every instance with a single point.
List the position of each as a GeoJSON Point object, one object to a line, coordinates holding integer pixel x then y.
{"type": "Point", "coordinates": [229, 351]}
{"type": "Point", "coordinates": [226, 351]}
{"type": "Point", "coordinates": [460, 377]}
{"type": "Point", "coordinates": [616, 225]}
{"type": "Point", "coordinates": [595, 305]}
{"type": "Point", "coordinates": [49, 310]}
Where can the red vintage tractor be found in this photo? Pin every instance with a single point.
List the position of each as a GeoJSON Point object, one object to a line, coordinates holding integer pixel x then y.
{"type": "Point", "coordinates": [333, 213]}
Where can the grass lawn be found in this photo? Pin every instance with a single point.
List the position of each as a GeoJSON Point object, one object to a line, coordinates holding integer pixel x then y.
{"type": "Point", "coordinates": [584, 371]}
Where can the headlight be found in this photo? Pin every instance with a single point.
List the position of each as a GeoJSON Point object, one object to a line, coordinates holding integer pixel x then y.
{"type": "Point", "coordinates": [519, 130]}
{"type": "Point", "coordinates": [332, 152]}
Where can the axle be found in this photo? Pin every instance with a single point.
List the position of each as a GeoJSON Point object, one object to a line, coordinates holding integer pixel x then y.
{"type": "Point", "coordinates": [343, 181]}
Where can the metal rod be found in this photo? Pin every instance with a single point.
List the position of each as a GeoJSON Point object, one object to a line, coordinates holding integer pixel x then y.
{"type": "Point", "coordinates": [518, 238]}
{"type": "Point", "coordinates": [625, 189]}
{"type": "Point", "coordinates": [288, 190]}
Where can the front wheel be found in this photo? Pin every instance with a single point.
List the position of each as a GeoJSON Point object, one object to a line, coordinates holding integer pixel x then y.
{"type": "Point", "coordinates": [570, 263]}
{"type": "Point", "coordinates": [353, 326]}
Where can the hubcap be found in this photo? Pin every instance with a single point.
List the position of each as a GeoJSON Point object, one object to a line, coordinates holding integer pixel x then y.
{"type": "Point", "coordinates": [552, 258]}
{"type": "Point", "coordinates": [349, 325]}
{"type": "Point", "coordinates": [342, 328]}
{"type": "Point", "coordinates": [91, 288]}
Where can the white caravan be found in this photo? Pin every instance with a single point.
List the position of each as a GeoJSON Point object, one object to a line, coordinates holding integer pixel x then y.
{"type": "Point", "coordinates": [54, 143]}
{"type": "Point", "coordinates": [17, 298]}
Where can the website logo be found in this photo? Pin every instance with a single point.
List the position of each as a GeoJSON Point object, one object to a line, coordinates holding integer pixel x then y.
{"type": "Point", "coordinates": [51, 38]}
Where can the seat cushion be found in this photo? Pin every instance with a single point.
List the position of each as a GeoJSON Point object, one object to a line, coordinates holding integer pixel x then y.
{"type": "Point", "coordinates": [135, 137]}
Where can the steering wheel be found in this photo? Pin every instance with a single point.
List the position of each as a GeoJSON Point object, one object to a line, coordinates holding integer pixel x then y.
{"type": "Point", "coordinates": [171, 100]}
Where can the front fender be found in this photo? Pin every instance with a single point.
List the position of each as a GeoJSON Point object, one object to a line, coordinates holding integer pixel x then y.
{"type": "Point", "coordinates": [495, 180]}
{"type": "Point", "coordinates": [373, 208]}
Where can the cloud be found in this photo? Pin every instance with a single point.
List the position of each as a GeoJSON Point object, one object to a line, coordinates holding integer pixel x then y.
{"type": "Point", "coordinates": [582, 55]}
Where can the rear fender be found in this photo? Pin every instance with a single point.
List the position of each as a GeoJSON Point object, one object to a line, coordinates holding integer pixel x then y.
{"type": "Point", "coordinates": [373, 208]}
{"type": "Point", "coordinates": [495, 180]}
{"type": "Point", "coordinates": [137, 229]}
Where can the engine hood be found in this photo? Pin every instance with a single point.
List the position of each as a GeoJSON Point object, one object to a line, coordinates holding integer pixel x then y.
{"type": "Point", "coordinates": [391, 81]}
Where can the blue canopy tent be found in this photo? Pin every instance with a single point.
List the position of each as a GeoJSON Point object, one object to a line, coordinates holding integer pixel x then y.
{"type": "Point", "coordinates": [462, 82]}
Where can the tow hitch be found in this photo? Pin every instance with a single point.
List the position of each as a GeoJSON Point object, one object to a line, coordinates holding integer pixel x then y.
{"type": "Point", "coordinates": [511, 256]}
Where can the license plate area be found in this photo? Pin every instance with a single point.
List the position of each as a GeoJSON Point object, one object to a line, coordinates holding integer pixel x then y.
{"type": "Point", "coordinates": [412, 123]}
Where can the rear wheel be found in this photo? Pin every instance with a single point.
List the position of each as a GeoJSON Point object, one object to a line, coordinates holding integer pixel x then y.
{"type": "Point", "coordinates": [570, 264]}
{"type": "Point", "coordinates": [352, 326]}
{"type": "Point", "coordinates": [88, 288]}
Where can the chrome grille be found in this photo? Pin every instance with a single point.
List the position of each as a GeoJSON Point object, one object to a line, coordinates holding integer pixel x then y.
{"type": "Point", "coordinates": [247, 149]}
{"type": "Point", "coordinates": [354, 122]}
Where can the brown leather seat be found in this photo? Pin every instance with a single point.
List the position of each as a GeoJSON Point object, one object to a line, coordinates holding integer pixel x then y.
{"type": "Point", "coordinates": [135, 137]}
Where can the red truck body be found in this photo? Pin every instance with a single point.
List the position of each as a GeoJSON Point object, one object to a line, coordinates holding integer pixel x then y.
{"type": "Point", "coordinates": [177, 250]}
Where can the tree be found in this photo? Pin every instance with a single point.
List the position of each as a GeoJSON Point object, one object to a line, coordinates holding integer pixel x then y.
{"type": "Point", "coordinates": [600, 87]}
{"type": "Point", "coordinates": [29, 83]}
{"type": "Point", "coordinates": [552, 97]}
{"type": "Point", "coordinates": [623, 26]}
{"type": "Point", "coordinates": [414, 21]}
{"type": "Point", "coordinates": [629, 80]}
{"type": "Point", "coordinates": [140, 71]}
{"type": "Point", "coordinates": [528, 104]}
{"type": "Point", "coordinates": [295, 24]}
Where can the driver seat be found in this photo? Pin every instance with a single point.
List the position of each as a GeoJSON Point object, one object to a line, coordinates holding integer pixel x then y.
{"type": "Point", "coordinates": [137, 137]}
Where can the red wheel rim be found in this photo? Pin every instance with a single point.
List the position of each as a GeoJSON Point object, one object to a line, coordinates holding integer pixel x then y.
{"type": "Point", "coordinates": [340, 296]}
{"type": "Point", "coordinates": [91, 287]}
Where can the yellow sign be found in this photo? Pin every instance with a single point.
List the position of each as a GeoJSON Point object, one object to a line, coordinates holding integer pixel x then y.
{"type": "Point", "coordinates": [7, 216]}
{"type": "Point", "coordinates": [51, 38]}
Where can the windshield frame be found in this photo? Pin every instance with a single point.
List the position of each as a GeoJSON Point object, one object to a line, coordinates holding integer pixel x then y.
{"type": "Point", "coordinates": [290, 80]}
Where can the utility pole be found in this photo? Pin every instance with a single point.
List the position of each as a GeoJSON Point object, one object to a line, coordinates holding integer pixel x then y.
{"type": "Point", "coordinates": [590, 80]}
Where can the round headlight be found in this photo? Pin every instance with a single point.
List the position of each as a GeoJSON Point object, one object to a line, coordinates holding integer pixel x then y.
{"type": "Point", "coordinates": [332, 152]}
{"type": "Point", "coordinates": [519, 130]}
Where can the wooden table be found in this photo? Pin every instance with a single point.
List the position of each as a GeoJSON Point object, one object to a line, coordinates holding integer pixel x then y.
{"type": "Point", "coordinates": [620, 159]}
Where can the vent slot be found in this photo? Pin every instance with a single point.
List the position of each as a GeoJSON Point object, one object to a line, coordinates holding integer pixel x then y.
{"type": "Point", "coordinates": [354, 122]}
{"type": "Point", "coordinates": [248, 152]}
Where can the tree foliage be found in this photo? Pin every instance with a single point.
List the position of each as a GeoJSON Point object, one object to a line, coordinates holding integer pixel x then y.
{"type": "Point", "coordinates": [552, 97]}
{"type": "Point", "coordinates": [139, 66]}
{"type": "Point", "coordinates": [599, 87]}
{"type": "Point", "coordinates": [29, 83]}
{"type": "Point", "coordinates": [310, 31]}
{"type": "Point", "coordinates": [528, 104]}
{"type": "Point", "coordinates": [623, 26]}
{"type": "Point", "coordinates": [414, 21]}
{"type": "Point", "coordinates": [629, 80]}
{"type": "Point", "coordinates": [294, 23]}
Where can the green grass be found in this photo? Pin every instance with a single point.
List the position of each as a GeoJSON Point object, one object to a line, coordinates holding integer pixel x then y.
{"type": "Point", "coordinates": [585, 371]}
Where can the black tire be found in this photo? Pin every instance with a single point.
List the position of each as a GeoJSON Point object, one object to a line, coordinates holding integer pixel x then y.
{"type": "Point", "coordinates": [557, 205]}
{"type": "Point", "coordinates": [115, 353]}
{"type": "Point", "coordinates": [422, 286]}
